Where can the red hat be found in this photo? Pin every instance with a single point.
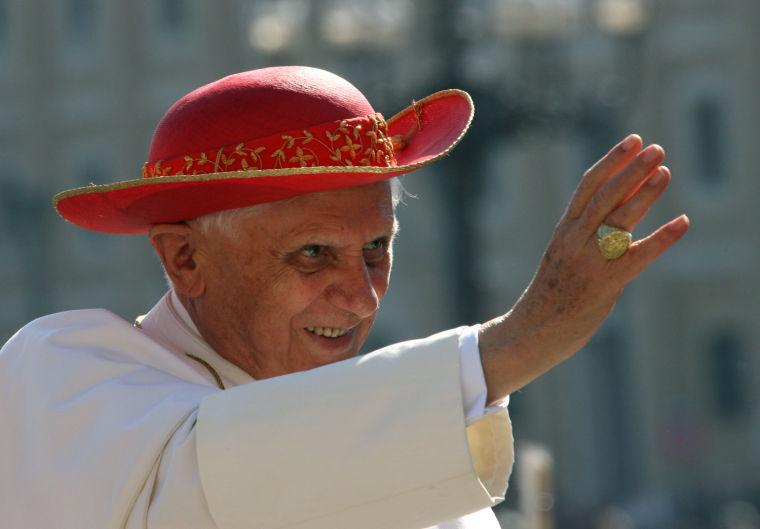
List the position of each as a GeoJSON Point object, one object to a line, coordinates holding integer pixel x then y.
{"type": "Point", "coordinates": [267, 135]}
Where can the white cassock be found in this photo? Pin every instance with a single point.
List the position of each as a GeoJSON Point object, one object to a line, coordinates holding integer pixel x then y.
{"type": "Point", "coordinates": [106, 426]}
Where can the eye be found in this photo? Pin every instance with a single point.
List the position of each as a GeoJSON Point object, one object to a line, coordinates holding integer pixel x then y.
{"type": "Point", "coordinates": [312, 250]}
{"type": "Point", "coordinates": [311, 258]}
{"type": "Point", "coordinates": [376, 250]}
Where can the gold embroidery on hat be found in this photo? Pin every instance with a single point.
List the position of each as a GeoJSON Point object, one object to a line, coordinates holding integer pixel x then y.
{"type": "Point", "coordinates": [417, 113]}
{"type": "Point", "coordinates": [357, 142]}
{"type": "Point", "coordinates": [399, 142]}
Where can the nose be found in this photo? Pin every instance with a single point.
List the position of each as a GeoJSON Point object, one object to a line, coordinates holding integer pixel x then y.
{"type": "Point", "coordinates": [353, 289]}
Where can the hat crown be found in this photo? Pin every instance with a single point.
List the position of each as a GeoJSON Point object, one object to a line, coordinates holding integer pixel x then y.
{"type": "Point", "coordinates": [255, 104]}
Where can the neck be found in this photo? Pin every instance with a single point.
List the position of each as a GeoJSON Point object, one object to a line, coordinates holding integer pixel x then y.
{"type": "Point", "coordinates": [223, 343]}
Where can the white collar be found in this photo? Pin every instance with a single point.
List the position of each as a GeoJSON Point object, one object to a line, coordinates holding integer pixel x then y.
{"type": "Point", "coordinates": [169, 323]}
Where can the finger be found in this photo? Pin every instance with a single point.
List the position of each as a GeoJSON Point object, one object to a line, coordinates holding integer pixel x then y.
{"type": "Point", "coordinates": [610, 195]}
{"type": "Point", "coordinates": [630, 212]}
{"type": "Point", "coordinates": [617, 158]}
{"type": "Point", "coordinates": [643, 252]}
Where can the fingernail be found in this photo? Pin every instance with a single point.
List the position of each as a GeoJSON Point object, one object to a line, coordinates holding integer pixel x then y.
{"type": "Point", "coordinates": [657, 176]}
{"type": "Point", "coordinates": [629, 142]}
{"type": "Point", "coordinates": [651, 153]}
{"type": "Point", "coordinates": [679, 224]}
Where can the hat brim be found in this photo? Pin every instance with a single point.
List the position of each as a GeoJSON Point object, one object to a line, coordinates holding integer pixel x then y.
{"type": "Point", "coordinates": [431, 128]}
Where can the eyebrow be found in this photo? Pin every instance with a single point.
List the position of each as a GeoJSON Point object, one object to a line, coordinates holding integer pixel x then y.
{"type": "Point", "coordinates": [317, 232]}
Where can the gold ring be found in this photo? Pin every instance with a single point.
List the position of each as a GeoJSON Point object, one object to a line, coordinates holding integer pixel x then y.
{"type": "Point", "coordinates": [613, 242]}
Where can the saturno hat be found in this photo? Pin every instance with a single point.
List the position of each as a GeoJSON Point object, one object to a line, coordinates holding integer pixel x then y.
{"type": "Point", "coordinates": [267, 135]}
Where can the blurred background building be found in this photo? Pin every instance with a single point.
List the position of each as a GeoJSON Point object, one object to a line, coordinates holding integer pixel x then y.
{"type": "Point", "coordinates": [656, 423]}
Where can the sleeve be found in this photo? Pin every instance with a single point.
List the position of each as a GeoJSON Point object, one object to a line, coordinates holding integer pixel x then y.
{"type": "Point", "coordinates": [375, 442]}
{"type": "Point", "coordinates": [473, 381]}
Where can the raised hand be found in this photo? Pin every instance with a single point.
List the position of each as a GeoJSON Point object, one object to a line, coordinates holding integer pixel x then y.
{"type": "Point", "coordinates": [575, 286]}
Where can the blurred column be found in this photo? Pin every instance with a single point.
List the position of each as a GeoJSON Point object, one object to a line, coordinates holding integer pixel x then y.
{"type": "Point", "coordinates": [126, 74]}
{"type": "Point", "coordinates": [222, 21]}
{"type": "Point", "coordinates": [462, 172]}
{"type": "Point", "coordinates": [24, 201]}
{"type": "Point", "coordinates": [535, 486]}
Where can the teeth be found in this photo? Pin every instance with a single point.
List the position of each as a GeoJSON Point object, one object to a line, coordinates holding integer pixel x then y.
{"type": "Point", "coordinates": [327, 332]}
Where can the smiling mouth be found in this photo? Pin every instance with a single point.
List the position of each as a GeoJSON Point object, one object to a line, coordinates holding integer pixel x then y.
{"type": "Point", "coordinates": [328, 332]}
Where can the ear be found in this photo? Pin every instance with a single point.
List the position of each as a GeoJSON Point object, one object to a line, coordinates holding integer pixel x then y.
{"type": "Point", "coordinates": [175, 245]}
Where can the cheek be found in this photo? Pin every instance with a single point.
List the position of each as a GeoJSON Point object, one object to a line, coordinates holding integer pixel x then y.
{"type": "Point", "coordinates": [252, 296]}
{"type": "Point", "coordinates": [380, 277]}
{"type": "Point", "coordinates": [271, 318]}
{"type": "Point", "coordinates": [289, 297]}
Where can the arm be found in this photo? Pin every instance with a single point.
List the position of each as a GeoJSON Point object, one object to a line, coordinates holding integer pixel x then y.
{"type": "Point", "coordinates": [575, 288]}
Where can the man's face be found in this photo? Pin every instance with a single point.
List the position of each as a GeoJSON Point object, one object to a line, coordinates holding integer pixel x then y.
{"type": "Point", "coordinates": [301, 285]}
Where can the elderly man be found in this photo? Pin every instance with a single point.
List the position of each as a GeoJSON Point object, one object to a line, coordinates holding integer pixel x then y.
{"type": "Point", "coordinates": [239, 400]}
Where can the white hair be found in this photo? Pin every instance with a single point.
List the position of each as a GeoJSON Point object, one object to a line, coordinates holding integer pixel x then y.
{"type": "Point", "coordinates": [226, 222]}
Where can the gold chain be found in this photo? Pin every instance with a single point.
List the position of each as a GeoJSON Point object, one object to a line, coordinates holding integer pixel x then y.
{"type": "Point", "coordinates": [211, 370]}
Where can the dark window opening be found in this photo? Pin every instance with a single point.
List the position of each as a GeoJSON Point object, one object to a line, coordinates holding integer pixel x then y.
{"type": "Point", "coordinates": [709, 140]}
{"type": "Point", "coordinates": [80, 21]}
{"type": "Point", "coordinates": [4, 24]}
{"type": "Point", "coordinates": [727, 369]}
{"type": "Point", "coordinates": [172, 16]}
